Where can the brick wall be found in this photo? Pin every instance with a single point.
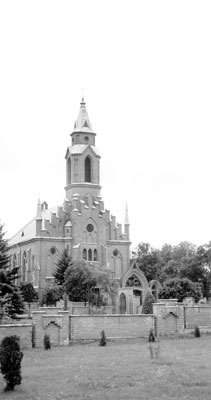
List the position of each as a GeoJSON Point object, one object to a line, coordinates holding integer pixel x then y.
{"type": "Point", "coordinates": [55, 324]}
{"type": "Point", "coordinates": [197, 315]}
{"type": "Point", "coordinates": [24, 331]}
{"type": "Point", "coordinates": [169, 317]}
{"type": "Point", "coordinates": [115, 326]}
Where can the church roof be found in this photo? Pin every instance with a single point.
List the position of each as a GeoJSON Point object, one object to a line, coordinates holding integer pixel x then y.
{"type": "Point", "coordinates": [83, 124]}
{"type": "Point", "coordinates": [29, 230]}
{"type": "Point", "coordinates": [24, 234]}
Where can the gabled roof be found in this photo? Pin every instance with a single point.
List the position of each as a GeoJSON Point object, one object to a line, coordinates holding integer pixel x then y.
{"type": "Point", "coordinates": [80, 148]}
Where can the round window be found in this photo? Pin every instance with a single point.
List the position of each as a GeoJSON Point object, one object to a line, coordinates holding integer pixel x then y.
{"type": "Point", "coordinates": [115, 252]}
{"type": "Point", "coordinates": [90, 228]}
{"type": "Point", "coordinates": [53, 250]}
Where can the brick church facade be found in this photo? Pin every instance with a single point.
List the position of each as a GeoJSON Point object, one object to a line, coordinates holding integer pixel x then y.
{"type": "Point", "coordinates": [81, 224]}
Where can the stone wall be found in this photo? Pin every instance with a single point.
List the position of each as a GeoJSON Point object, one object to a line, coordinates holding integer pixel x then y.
{"type": "Point", "coordinates": [24, 331]}
{"type": "Point", "coordinates": [115, 326]}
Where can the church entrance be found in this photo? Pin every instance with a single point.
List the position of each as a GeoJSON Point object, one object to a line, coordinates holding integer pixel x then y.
{"type": "Point", "coordinates": [122, 304]}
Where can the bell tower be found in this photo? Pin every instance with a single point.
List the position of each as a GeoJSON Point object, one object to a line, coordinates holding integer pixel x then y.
{"type": "Point", "coordinates": [82, 159]}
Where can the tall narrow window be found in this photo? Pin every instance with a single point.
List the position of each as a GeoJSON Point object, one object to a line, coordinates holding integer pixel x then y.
{"type": "Point", "coordinates": [84, 254]}
{"type": "Point", "coordinates": [87, 169]}
{"type": "Point", "coordinates": [90, 255]}
{"type": "Point", "coordinates": [95, 255]}
{"type": "Point", "coordinates": [24, 268]}
{"type": "Point", "coordinates": [68, 171]}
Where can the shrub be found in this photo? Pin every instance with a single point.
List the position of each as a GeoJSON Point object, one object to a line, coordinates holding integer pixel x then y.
{"type": "Point", "coordinates": [10, 360]}
{"type": "Point", "coordinates": [102, 339]}
{"type": "Point", "coordinates": [33, 336]}
{"type": "Point", "coordinates": [197, 332]}
{"type": "Point", "coordinates": [147, 305]}
{"type": "Point", "coordinates": [151, 336]}
{"type": "Point", "coordinates": [47, 342]}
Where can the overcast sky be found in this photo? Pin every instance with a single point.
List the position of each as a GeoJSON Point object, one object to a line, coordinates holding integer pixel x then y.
{"type": "Point", "coordinates": [145, 67]}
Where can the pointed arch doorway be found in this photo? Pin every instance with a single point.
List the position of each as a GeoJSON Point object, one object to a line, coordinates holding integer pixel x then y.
{"type": "Point", "coordinates": [122, 303]}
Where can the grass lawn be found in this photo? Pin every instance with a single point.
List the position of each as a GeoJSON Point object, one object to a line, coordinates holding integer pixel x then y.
{"type": "Point", "coordinates": [121, 370]}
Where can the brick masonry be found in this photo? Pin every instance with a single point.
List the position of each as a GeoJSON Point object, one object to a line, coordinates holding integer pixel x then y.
{"type": "Point", "coordinates": [197, 315]}
{"type": "Point", "coordinates": [24, 331]}
{"type": "Point", "coordinates": [168, 318]}
{"type": "Point", "coordinates": [115, 326]}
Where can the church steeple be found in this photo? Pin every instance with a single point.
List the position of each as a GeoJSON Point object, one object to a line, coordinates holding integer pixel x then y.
{"type": "Point", "coordinates": [83, 158]}
{"type": "Point", "coordinates": [83, 124]}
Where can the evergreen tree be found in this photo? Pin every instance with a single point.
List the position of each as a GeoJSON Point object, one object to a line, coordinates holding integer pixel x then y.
{"type": "Point", "coordinates": [147, 305]}
{"type": "Point", "coordinates": [10, 361]}
{"type": "Point", "coordinates": [4, 257]}
{"type": "Point", "coordinates": [62, 265]}
{"type": "Point", "coordinates": [11, 301]}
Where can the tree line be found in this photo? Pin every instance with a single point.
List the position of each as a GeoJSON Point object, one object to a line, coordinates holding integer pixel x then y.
{"type": "Point", "coordinates": [183, 270]}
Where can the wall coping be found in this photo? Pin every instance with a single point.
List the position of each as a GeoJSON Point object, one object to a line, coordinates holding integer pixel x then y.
{"type": "Point", "coordinates": [198, 306]}
{"type": "Point", "coordinates": [13, 325]}
{"type": "Point", "coordinates": [111, 315]}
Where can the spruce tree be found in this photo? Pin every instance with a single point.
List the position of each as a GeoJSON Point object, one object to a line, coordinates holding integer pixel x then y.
{"type": "Point", "coordinates": [4, 257]}
{"type": "Point", "coordinates": [147, 305]}
{"type": "Point", "coordinates": [62, 264]}
{"type": "Point", "coordinates": [11, 301]}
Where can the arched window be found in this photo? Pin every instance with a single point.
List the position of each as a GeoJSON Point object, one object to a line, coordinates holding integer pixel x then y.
{"type": "Point", "coordinates": [24, 268]}
{"type": "Point", "coordinates": [15, 263]}
{"type": "Point", "coordinates": [68, 171]}
{"type": "Point", "coordinates": [90, 255]}
{"type": "Point", "coordinates": [85, 254]}
{"type": "Point", "coordinates": [95, 255]}
{"type": "Point", "coordinates": [87, 169]}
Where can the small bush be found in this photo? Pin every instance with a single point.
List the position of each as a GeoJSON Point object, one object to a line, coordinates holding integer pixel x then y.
{"type": "Point", "coordinates": [197, 332]}
{"type": "Point", "coordinates": [151, 336]}
{"type": "Point", "coordinates": [102, 339]}
{"type": "Point", "coordinates": [33, 336]}
{"type": "Point", "coordinates": [10, 360]}
{"type": "Point", "coordinates": [47, 342]}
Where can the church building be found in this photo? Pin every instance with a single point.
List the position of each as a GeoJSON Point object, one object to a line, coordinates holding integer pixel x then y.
{"type": "Point", "coordinates": [81, 224]}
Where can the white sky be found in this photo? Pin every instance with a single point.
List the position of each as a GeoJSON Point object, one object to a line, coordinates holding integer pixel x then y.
{"type": "Point", "coordinates": [145, 67]}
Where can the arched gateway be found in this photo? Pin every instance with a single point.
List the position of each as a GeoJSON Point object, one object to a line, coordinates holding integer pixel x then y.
{"type": "Point", "coordinates": [132, 292]}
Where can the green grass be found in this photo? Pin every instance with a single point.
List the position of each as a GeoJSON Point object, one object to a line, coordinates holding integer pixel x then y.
{"type": "Point", "coordinates": [120, 370]}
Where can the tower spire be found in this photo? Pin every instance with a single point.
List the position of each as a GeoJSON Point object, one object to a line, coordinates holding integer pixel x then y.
{"type": "Point", "coordinates": [83, 124]}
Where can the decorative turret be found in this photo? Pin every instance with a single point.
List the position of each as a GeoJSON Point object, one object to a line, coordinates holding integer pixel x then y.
{"type": "Point", "coordinates": [39, 210]}
{"type": "Point", "coordinates": [127, 224]}
{"type": "Point", "coordinates": [83, 159]}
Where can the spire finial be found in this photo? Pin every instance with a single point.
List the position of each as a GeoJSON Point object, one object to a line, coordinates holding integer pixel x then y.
{"type": "Point", "coordinates": [82, 97]}
{"type": "Point", "coordinates": [39, 215]}
{"type": "Point", "coordinates": [126, 215]}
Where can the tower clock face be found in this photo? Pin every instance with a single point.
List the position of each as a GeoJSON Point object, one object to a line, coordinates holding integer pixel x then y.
{"type": "Point", "coordinates": [89, 228]}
